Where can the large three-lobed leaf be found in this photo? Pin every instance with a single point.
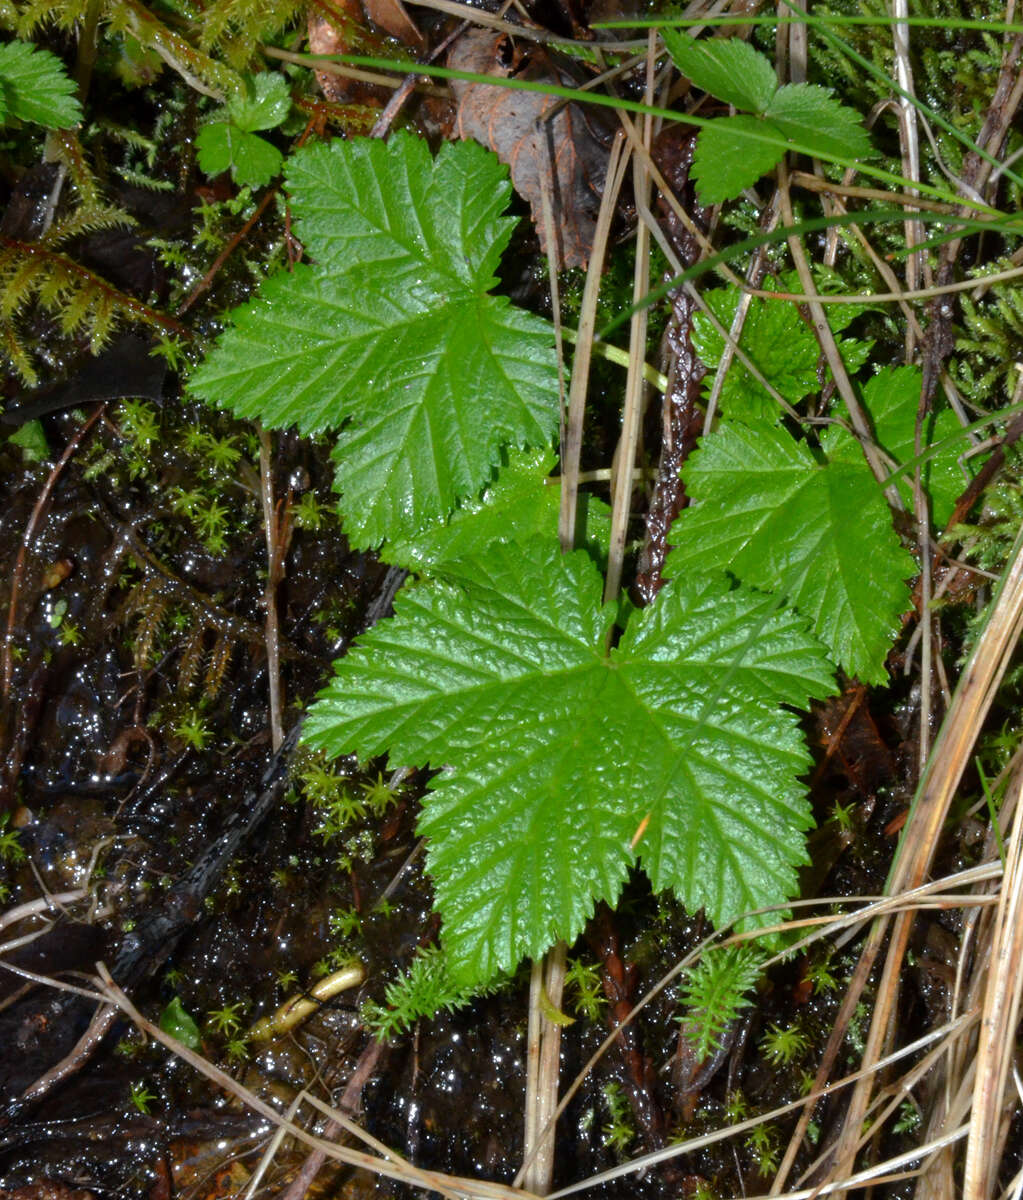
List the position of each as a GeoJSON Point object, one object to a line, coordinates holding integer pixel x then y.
{"type": "Point", "coordinates": [392, 337]}
{"type": "Point", "coordinates": [555, 755]}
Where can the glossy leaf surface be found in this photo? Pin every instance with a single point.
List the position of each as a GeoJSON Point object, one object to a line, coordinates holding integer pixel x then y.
{"type": "Point", "coordinates": [553, 754]}
{"type": "Point", "coordinates": [734, 151]}
{"type": "Point", "coordinates": [34, 86]}
{"type": "Point", "coordinates": [522, 503]}
{"type": "Point", "coordinates": [223, 146]}
{"type": "Point", "coordinates": [391, 338]}
{"type": "Point", "coordinates": [892, 398]}
{"type": "Point", "coordinates": [727, 67]}
{"type": "Point", "coordinates": [817, 533]}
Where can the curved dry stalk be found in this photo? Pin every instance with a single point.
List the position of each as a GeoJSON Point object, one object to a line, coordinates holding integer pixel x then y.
{"type": "Point", "coordinates": [530, 32]}
{"type": "Point", "coordinates": [970, 704]}
{"type": "Point", "coordinates": [829, 187]}
{"type": "Point", "coordinates": [928, 896]}
{"type": "Point", "coordinates": [729, 336]}
{"type": "Point", "coordinates": [376, 78]}
{"type": "Point", "coordinates": [995, 1053]}
{"type": "Point", "coordinates": [43, 904]}
{"type": "Point", "coordinates": [625, 456]}
{"type": "Point", "coordinates": [274, 575]}
{"type": "Point", "coordinates": [857, 417]}
{"type": "Point", "coordinates": [389, 1163]}
{"type": "Point", "coordinates": [910, 142]}
{"type": "Point", "coordinates": [543, 1062]}
{"type": "Point", "coordinates": [350, 1098]}
{"type": "Point", "coordinates": [955, 1034]}
{"type": "Point", "coordinates": [1005, 99]}
{"type": "Point", "coordinates": [893, 297]}
{"type": "Point", "coordinates": [571, 450]}
{"type": "Point", "coordinates": [754, 274]}
{"type": "Point", "coordinates": [644, 1162]}
{"type": "Point", "coordinates": [895, 294]}
{"type": "Point", "coordinates": [551, 240]}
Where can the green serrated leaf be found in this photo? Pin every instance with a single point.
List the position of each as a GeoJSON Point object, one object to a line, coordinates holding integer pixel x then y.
{"type": "Point", "coordinates": [732, 153]}
{"type": "Point", "coordinates": [500, 676]}
{"type": "Point", "coordinates": [36, 87]}
{"type": "Point", "coordinates": [392, 335]}
{"type": "Point", "coordinates": [855, 353]}
{"type": "Point", "coordinates": [775, 338]}
{"type": "Point", "coordinates": [520, 504]}
{"type": "Point", "coordinates": [727, 67]}
{"type": "Point", "coordinates": [264, 105]}
{"type": "Point", "coordinates": [811, 116]}
{"type": "Point", "coordinates": [819, 534]}
{"type": "Point", "coordinates": [892, 398]}
{"type": "Point", "coordinates": [222, 146]}
{"type": "Point", "coordinates": [366, 201]}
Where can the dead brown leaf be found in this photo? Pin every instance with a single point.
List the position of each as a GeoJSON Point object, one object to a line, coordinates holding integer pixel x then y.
{"type": "Point", "coordinates": [344, 31]}
{"type": "Point", "coordinates": [390, 15]}
{"type": "Point", "coordinates": [565, 153]}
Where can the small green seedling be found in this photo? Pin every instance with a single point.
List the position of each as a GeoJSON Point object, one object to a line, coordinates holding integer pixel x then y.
{"type": "Point", "coordinates": [733, 152]}
{"type": "Point", "coordinates": [229, 140]}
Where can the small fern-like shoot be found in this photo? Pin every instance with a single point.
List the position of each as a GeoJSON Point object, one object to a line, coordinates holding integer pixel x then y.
{"type": "Point", "coordinates": [715, 993]}
{"type": "Point", "coordinates": [82, 302]}
{"type": "Point", "coordinates": [424, 990]}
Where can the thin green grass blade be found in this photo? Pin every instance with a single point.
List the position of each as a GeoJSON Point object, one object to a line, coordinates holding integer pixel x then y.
{"type": "Point", "coordinates": [822, 24]}
{"type": "Point", "coordinates": [812, 225]}
{"type": "Point", "coordinates": [580, 96]}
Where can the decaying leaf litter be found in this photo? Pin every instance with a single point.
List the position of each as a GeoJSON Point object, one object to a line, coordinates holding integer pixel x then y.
{"type": "Point", "coordinates": [134, 586]}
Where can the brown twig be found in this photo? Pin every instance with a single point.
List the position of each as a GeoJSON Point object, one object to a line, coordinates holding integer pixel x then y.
{"type": "Point", "coordinates": [348, 1104]}
{"type": "Point", "coordinates": [204, 284]}
{"type": "Point", "coordinates": [81, 1053]}
{"type": "Point", "coordinates": [407, 86]}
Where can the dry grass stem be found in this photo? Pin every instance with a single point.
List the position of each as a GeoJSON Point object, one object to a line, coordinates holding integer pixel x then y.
{"type": "Point", "coordinates": [625, 456]}
{"type": "Point", "coordinates": [992, 1093]}
{"type": "Point", "coordinates": [572, 449]}
{"type": "Point", "coordinates": [391, 1165]}
{"type": "Point", "coordinates": [972, 700]}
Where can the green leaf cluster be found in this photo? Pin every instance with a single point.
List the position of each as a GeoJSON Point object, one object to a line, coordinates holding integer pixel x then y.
{"type": "Point", "coordinates": [810, 523]}
{"type": "Point", "coordinates": [733, 152]}
{"type": "Point", "coordinates": [229, 142]}
{"type": "Point", "coordinates": [813, 529]}
{"type": "Point", "coordinates": [778, 341]}
{"type": "Point", "coordinates": [570, 742]}
{"type": "Point", "coordinates": [500, 674]}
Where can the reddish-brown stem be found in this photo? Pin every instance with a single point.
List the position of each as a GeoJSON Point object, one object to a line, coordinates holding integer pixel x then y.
{"type": "Point", "coordinates": [204, 284]}
{"type": "Point", "coordinates": [142, 311]}
{"type": "Point", "coordinates": [6, 663]}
